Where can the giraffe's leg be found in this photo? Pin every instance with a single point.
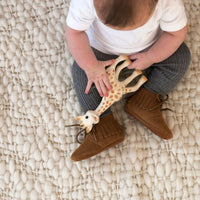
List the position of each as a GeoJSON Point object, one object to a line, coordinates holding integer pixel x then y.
{"type": "Point", "coordinates": [134, 88]}
{"type": "Point", "coordinates": [117, 60]}
{"type": "Point", "coordinates": [122, 66]}
{"type": "Point", "coordinates": [131, 77]}
{"type": "Point", "coordinates": [111, 69]}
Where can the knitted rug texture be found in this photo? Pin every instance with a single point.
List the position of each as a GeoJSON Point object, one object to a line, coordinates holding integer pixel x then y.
{"type": "Point", "coordinates": [37, 101]}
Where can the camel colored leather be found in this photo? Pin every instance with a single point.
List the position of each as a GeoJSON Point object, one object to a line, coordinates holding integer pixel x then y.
{"type": "Point", "coordinates": [103, 136]}
{"type": "Point", "coordinates": [145, 106]}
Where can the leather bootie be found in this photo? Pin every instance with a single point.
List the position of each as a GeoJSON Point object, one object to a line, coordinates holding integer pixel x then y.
{"type": "Point", "coordinates": [103, 135]}
{"type": "Point", "coordinates": [145, 106]}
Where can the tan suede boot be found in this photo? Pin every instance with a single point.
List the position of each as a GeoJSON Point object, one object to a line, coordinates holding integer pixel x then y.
{"type": "Point", "coordinates": [145, 106]}
{"type": "Point", "coordinates": [103, 135]}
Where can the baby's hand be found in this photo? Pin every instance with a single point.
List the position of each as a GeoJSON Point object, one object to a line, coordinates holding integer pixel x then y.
{"type": "Point", "coordinates": [99, 77]}
{"type": "Point", "coordinates": [141, 61]}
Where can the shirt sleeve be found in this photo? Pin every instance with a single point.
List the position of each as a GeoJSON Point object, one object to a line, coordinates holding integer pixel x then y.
{"type": "Point", "coordinates": [80, 15]}
{"type": "Point", "coordinates": [174, 16]}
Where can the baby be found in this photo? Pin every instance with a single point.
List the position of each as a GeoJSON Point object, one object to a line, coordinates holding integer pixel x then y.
{"type": "Point", "coordinates": [151, 33]}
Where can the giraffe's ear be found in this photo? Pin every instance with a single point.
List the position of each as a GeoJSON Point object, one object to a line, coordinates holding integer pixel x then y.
{"type": "Point", "coordinates": [93, 116]}
{"type": "Point", "coordinates": [96, 119]}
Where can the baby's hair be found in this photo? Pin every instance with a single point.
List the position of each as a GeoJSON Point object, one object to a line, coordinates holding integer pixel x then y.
{"type": "Point", "coordinates": [121, 13]}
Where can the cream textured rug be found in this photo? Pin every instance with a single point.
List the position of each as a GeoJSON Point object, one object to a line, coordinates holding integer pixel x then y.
{"type": "Point", "coordinates": [37, 100]}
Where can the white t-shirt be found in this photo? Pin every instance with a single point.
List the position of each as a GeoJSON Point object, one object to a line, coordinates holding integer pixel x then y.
{"type": "Point", "coordinates": [169, 15]}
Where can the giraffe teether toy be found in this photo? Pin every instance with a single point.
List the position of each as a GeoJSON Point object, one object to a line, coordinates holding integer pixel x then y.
{"type": "Point", "coordinates": [120, 88]}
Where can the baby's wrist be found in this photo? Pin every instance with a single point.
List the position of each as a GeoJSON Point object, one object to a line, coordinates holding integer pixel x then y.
{"type": "Point", "coordinates": [90, 66]}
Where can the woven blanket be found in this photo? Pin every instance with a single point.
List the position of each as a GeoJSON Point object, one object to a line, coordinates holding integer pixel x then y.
{"type": "Point", "coordinates": [37, 101]}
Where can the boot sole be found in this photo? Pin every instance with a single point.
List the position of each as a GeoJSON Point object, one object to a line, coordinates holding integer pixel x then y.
{"type": "Point", "coordinates": [104, 149]}
{"type": "Point", "coordinates": [148, 125]}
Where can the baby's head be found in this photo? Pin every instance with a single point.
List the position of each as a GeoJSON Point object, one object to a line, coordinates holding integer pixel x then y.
{"type": "Point", "coordinates": [123, 13]}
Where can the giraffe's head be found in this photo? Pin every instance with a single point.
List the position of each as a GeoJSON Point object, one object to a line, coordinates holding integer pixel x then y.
{"type": "Point", "coordinates": [88, 120]}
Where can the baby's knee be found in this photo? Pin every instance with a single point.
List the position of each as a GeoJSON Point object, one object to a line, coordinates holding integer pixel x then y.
{"type": "Point", "coordinates": [186, 57]}
{"type": "Point", "coordinates": [181, 61]}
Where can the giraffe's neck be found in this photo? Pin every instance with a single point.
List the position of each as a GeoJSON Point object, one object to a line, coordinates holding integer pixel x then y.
{"type": "Point", "coordinates": [106, 102]}
{"type": "Point", "coordinates": [104, 105]}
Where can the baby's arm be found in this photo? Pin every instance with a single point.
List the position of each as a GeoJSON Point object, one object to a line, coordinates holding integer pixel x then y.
{"type": "Point", "coordinates": [78, 44]}
{"type": "Point", "coordinates": [165, 46]}
{"type": "Point", "coordinates": [80, 49]}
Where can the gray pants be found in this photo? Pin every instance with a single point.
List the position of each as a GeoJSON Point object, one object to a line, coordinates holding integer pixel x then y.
{"type": "Point", "coordinates": [162, 77]}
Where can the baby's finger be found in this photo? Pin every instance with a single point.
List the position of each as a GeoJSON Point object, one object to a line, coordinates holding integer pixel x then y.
{"type": "Point", "coordinates": [99, 88]}
{"type": "Point", "coordinates": [107, 83]}
{"type": "Point", "coordinates": [103, 88]}
{"type": "Point", "coordinates": [133, 57]}
{"type": "Point", "coordinates": [89, 84]}
{"type": "Point", "coordinates": [108, 62]}
{"type": "Point", "coordinates": [132, 66]}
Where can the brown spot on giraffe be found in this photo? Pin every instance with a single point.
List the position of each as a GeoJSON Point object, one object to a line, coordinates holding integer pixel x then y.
{"type": "Point", "coordinates": [116, 97]}
{"type": "Point", "coordinates": [111, 96]}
